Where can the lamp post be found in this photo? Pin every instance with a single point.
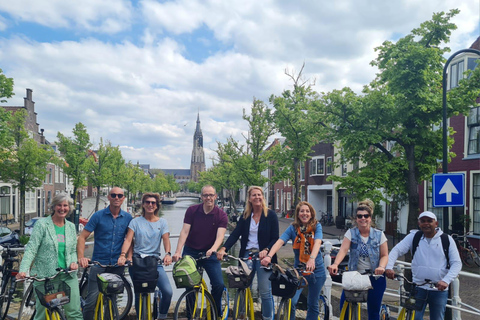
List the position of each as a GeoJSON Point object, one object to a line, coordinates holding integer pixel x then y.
{"type": "Point", "coordinates": [445, 135]}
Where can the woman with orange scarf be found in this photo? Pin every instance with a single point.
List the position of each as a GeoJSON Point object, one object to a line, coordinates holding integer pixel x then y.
{"type": "Point", "coordinates": [306, 234]}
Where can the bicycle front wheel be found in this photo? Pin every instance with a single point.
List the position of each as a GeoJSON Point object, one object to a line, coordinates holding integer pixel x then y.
{"type": "Point", "coordinates": [193, 305]}
{"type": "Point", "coordinates": [284, 309]}
{"type": "Point", "coordinates": [384, 314]}
{"type": "Point", "coordinates": [56, 314]}
{"type": "Point", "coordinates": [476, 258]}
{"type": "Point", "coordinates": [323, 308]}
{"type": "Point", "coordinates": [225, 304]}
{"type": "Point", "coordinates": [240, 307]}
{"type": "Point", "coordinates": [27, 306]}
{"type": "Point", "coordinates": [5, 296]}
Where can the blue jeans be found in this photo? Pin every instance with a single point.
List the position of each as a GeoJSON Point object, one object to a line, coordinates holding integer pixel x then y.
{"type": "Point", "coordinates": [375, 297]}
{"type": "Point", "coordinates": [91, 301]}
{"type": "Point", "coordinates": [264, 287]}
{"type": "Point", "coordinates": [437, 301]}
{"type": "Point", "coordinates": [315, 284]}
{"type": "Point", "coordinates": [214, 270]}
{"type": "Point", "coordinates": [166, 290]}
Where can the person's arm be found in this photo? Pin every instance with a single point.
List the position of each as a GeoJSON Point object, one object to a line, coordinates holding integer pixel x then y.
{"type": "Point", "coordinates": [399, 250]}
{"type": "Point", "coordinates": [36, 238]}
{"type": "Point", "coordinates": [268, 258]}
{"type": "Point", "coordinates": [333, 268]}
{"type": "Point", "coordinates": [383, 259]}
{"type": "Point", "coordinates": [455, 265]}
{"type": "Point", "coordinates": [125, 247]}
{"type": "Point", "coordinates": [82, 238]}
{"type": "Point", "coordinates": [167, 246]}
{"type": "Point", "coordinates": [315, 252]}
{"type": "Point", "coordinates": [218, 241]}
{"type": "Point", "coordinates": [181, 241]}
{"type": "Point", "coordinates": [231, 239]}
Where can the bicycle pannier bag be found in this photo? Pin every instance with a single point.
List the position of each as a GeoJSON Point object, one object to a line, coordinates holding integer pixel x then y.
{"type": "Point", "coordinates": [239, 277]}
{"type": "Point", "coordinates": [144, 273]}
{"type": "Point", "coordinates": [285, 283]}
{"type": "Point", "coordinates": [356, 295]}
{"type": "Point", "coordinates": [185, 273]}
{"type": "Point", "coordinates": [109, 283]}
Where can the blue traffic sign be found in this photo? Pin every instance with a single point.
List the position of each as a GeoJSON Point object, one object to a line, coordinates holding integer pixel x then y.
{"type": "Point", "coordinates": [448, 189]}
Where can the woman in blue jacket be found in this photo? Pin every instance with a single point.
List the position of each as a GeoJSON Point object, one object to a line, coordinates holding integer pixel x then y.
{"type": "Point", "coordinates": [258, 229]}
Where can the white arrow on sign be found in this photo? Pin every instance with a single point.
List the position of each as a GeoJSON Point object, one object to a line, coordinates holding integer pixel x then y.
{"type": "Point", "coordinates": [448, 188]}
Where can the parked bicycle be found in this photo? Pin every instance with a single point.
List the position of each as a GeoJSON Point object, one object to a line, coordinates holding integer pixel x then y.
{"type": "Point", "coordinates": [123, 300]}
{"type": "Point", "coordinates": [326, 219]}
{"type": "Point", "coordinates": [8, 284]}
{"type": "Point", "coordinates": [52, 297]}
{"type": "Point", "coordinates": [468, 253]}
{"type": "Point", "coordinates": [408, 300]}
{"type": "Point", "coordinates": [198, 303]}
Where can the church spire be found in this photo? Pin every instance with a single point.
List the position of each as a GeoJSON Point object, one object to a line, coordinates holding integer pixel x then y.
{"type": "Point", "coordinates": [198, 155]}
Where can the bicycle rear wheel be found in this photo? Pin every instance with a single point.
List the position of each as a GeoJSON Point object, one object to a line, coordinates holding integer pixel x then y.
{"type": "Point", "coordinates": [467, 257]}
{"type": "Point", "coordinates": [476, 257]}
{"type": "Point", "coordinates": [190, 305]}
{"type": "Point", "coordinates": [123, 300]}
{"type": "Point", "coordinates": [284, 309]}
{"type": "Point", "coordinates": [27, 306]}
{"type": "Point", "coordinates": [5, 296]}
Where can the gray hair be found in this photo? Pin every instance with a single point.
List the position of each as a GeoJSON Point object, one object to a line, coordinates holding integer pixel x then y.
{"type": "Point", "coordinates": [60, 198]}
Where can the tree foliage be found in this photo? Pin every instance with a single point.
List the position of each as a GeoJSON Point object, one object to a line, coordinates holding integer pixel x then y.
{"type": "Point", "coordinates": [390, 128]}
{"type": "Point", "coordinates": [75, 152]}
{"type": "Point", "coordinates": [6, 87]}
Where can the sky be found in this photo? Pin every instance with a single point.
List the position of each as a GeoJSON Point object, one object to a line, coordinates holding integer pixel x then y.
{"type": "Point", "coordinates": [137, 73]}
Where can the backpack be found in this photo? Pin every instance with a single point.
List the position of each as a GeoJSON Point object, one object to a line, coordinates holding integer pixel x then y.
{"type": "Point", "coordinates": [185, 272]}
{"type": "Point", "coordinates": [144, 273]}
{"type": "Point", "coordinates": [445, 244]}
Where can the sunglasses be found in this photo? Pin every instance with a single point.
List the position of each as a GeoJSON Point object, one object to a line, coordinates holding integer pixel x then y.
{"type": "Point", "coordinates": [150, 202]}
{"type": "Point", "coordinates": [116, 195]}
{"type": "Point", "coordinates": [360, 216]}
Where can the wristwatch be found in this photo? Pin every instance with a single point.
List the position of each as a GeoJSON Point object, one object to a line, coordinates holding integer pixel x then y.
{"type": "Point", "coordinates": [168, 254]}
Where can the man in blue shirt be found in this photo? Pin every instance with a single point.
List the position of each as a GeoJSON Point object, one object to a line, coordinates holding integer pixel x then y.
{"type": "Point", "coordinates": [110, 226]}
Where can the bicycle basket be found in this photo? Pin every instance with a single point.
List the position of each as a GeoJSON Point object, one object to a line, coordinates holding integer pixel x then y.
{"type": "Point", "coordinates": [239, 277]}
{"type": "Point", "coordinates": [356, 295]}
{"type": "Point", "coordinates": [285, 283]}
{"type": "Point", "coordinates": [185, 273]}
{"type": "Point", "coordinates": [110, 283]}
{"type": "Point", "coordinates": [413, 303]}
{"type": "Point", "coordinates": [60, 297]}
{"type": "Point", "coordinates": [144, 286]}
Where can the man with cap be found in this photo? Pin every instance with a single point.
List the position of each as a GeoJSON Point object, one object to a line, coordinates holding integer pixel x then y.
{"type": "Point", "coordinates": [429, 262]}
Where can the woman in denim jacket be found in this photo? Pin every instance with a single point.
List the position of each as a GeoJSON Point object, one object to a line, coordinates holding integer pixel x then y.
{"type": "Point", "coordinates": [368, 251]}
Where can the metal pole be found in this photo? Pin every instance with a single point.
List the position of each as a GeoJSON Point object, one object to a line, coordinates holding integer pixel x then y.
{"type": "Point", "coordinates": [446, 224]}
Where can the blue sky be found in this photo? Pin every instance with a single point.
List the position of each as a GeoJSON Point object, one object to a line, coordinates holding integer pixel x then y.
{"type": "Point", "coordinates": [137, 72]}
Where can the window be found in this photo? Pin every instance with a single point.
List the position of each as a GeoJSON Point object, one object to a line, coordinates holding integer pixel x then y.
{"type": "Point", "coordinates": [476, 202]}
{"type": "Point", "coordinates": [289, 201]}
{"type": "Point", "coordinates": [302, 171]}
{"type": "Point", "coordinates": [344, 169]}
{"type": "Point", "coordinates": [277, 200]}
{"type": "Point", "coordinates": [456, 73]}
{"type": "Point", "coordinates": [317, 166]}
{"type": "Point", "coordinates": [50, 175]}
{"type": "Point", "coordinates": [438, 211]}
{"type": "Point", "coordinates": [329, 165]}
{"type": "Point", "coordinates": [302, 193]}
{"type": "Point", "coordinates": [473, 123]}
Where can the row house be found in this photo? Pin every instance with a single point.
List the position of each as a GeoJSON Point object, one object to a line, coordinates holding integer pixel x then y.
{"type": "Point", "coordinates": [467, 150]}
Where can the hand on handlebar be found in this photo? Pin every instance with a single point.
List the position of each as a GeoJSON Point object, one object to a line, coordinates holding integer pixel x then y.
{"type": "Point", "coordinates": [333, 269]}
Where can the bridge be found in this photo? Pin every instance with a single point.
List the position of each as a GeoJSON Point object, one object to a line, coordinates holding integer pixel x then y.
{"type": "Point", "coordinates": [187, 195]}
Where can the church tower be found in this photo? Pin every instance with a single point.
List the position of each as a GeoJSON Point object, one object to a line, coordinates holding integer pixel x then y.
{"type": "Point", "coordinates": [198, 156]}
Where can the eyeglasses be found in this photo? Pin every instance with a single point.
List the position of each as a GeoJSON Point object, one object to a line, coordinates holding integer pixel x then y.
{"type": "Point", "coordinates": [360, 216]}
{"type": "Point", "coordinates": [208, 195]}
{"type": "Point", "coordinates": [116, 195]}
{"type": "Point", "coordinates": [150, 202]}
{"type": "Point", "coordinates": [426, 220]}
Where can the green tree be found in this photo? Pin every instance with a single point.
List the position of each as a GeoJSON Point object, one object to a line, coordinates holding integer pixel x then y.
{"type": "Point", "coordinates": [26, 166]}
{"type": "Point", "coordinates": [6, 87]}
{"type": "Point", "coordinates": [75, 152]}
{"type": "Point", "coordinates": [293, 120]}
{"type": "Point", "coordinates": [100, 166]}
{"type": "Point", "coordinates": [390, 128]}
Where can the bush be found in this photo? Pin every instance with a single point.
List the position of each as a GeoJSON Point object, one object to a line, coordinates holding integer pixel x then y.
{"type": "Point", "coordinates": [24, 239]}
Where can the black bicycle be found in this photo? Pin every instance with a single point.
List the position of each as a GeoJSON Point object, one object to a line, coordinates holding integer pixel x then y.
{"type": "Point", "coordinates": [8, 284]}
{"type": "Point", "coordinates": [468, 253]}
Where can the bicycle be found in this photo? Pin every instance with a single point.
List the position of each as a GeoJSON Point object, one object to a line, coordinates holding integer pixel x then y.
{"type": "Point", "coordinates": [8, 284]}
{"type": "Point", "coordinates": [146, 289]}
{"type": "Point", "coordinates": [468, 253]}
{"type": "Point", "coordinates": [326, 219]}
{"type": "Point", "coordinates": [243, 303]}
{"type": "Point", "coordinates": [198, 303]}
{"type": "Point", "coordinates": [353, 298]}
{"type": "Point", "coordinates": [123, 300]}
{"type": "Point", "coordinates": [52, 298]}
{"type": "Point", "coordinates": [410, 303]}
{"type": "Point", "coordinates": [384, 312]}
{"type": "Point", "coordinates": [285, 307]}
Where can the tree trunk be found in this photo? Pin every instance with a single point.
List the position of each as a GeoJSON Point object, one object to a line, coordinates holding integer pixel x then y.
{"type": "Point", "coordinates": [296, 184]}
{"type": "Point", "coordinates": [412, 190]}
{"type": "Point", "coordinates": [22, 211]}
{"type": "Point", "coordinates": [97, 200]}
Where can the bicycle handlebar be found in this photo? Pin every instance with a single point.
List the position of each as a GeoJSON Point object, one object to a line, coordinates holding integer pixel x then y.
{"type": "Point", "coordinates": [59, 270]}
{"type": "Point", "coordinates": [92, 263]}
{"type": "Point", "coordinates": [398, 277]}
